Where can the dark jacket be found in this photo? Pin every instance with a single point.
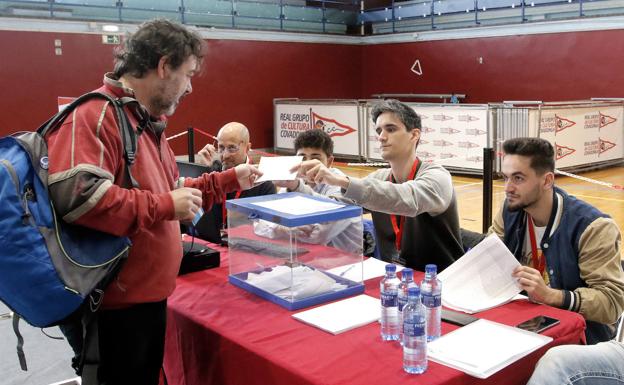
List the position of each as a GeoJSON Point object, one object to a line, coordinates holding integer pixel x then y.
{"type": "Point", "coordinates": [567, 244]}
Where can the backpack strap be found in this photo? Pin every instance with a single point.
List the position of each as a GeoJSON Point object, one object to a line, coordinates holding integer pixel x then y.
{"type": "Point", "coordinates": [90, 355]}
{"type": "Point", "coordinates": [126, 132]}
{"type": "Point", "coordinates": [20, 342]}
{"type": "Point", "coordinates": [128, 136]}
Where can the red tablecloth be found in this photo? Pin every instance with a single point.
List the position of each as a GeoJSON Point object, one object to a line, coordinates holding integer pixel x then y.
{"type": "Point", "coordinates": [220, 334]}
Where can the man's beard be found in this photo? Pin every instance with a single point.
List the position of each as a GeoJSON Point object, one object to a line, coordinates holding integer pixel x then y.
{"type": "Point", "coordinates": [517, 207]}
{"type": "Point", "coordinates": [521, 205]}
{"type": "Point", "coordinates": [161, 103]}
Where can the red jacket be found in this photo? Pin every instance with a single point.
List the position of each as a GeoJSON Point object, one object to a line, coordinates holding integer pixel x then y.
{"type": "Point", "coordinates": [86, 172]}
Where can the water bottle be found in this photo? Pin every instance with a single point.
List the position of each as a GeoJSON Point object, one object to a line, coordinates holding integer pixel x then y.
{"type": "Point", "coordinates": [389, 287]}
{"type": "Point", "coordinates": [414, 334]}
{"type": "Point", "coordinates": [431, 292]}
{"type": "Point", "coordinates": [407, 281]}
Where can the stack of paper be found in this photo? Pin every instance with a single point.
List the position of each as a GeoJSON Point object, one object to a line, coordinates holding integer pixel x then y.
{"type": "Point", "coordinates": [344, 315]}
{"type": "Point", "coordinates": [481, 279]}
{"type": "Point", "coordinates": [483, 347]}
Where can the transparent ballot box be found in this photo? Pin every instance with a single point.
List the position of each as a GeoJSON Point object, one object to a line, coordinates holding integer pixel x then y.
{"type": "Point", "coordinates": [294, 249]}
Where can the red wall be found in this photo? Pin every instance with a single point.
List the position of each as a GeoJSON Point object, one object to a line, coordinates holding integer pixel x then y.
{"type": "Point", "coordinates": [549, 67]}
{"type": "Point", "coordinates": [241, 78]}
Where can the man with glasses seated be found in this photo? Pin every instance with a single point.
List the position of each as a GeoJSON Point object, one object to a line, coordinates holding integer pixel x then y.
{"type": "Point", "coordinates": [232, 148]}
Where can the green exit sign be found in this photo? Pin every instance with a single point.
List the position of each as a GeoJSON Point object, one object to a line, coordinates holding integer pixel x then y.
{"type": "Point", "coordinates": [111, 39]}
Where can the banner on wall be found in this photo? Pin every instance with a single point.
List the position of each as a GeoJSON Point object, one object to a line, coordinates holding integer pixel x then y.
{"type": "Point", "coordinates": [453, 136]}
{"type": "Point", "coordinates": [583, 135]}
{"type": "Point", "coordinates": [339, 121]}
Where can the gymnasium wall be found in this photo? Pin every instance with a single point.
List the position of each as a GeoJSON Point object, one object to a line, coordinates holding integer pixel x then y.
{"type": "Point", "coordinates": [547, 67]}
{"type": "Point", "coordinates": [241, 78]}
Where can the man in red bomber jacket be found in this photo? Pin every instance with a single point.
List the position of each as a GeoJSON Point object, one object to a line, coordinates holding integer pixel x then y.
{"type": "Point", "coordinates": [86, 178]}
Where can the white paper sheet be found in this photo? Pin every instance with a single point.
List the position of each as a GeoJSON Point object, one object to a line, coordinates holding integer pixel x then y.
{"type": "Point", "coordinates": [338, 317]}
{"type": "Point", "coordinates": [278, 167]}
{"type": "Point", "coordinates": [483, 347]}
{"type": "Point", "coordinates": [299, 205]}
{"type": "Point", "coordinates": [372, 268]}
{"type": "Point", "coordinates": [481, 279]}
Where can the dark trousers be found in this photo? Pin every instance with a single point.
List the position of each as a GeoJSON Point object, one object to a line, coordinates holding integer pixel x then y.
{"type": "Point", "coordinates": [132, 343]}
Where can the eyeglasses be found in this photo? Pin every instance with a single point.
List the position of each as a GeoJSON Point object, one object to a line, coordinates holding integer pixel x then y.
{"type": "Point", "coordinates": [231, 149]}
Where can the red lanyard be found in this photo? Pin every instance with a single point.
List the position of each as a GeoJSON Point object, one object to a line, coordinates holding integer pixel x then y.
{"type": "Point", "coordinates": [538, 261]}
{"type": "Point", "coordinates": [397, 225]}
{"type": "Point", "coordinates": [224, 211]}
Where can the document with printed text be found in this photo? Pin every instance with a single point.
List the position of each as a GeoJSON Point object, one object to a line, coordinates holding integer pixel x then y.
{"type": "Point", "coordinates": [481, 279]}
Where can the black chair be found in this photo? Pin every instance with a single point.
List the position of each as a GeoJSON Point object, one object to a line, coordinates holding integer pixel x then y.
{"type": "Point", "coordinates": [470, 238]}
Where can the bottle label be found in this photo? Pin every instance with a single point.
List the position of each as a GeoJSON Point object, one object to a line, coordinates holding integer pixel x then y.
{"type": "Point", "coordinates": [389, 299]}
{"type": "Point", "coordinates": [432, 300]}
{"type": "Point", "coordinates": [414, 329]}
{"type": "Point", "coordinates": [402, 302]}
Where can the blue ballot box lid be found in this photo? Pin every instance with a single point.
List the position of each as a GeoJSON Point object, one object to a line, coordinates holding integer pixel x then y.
{"type": "Point", "coordinates": [250, 207]}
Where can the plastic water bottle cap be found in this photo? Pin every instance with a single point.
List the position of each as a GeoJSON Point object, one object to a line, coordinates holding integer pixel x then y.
{"type": "Point", "coordinates": [407, 272]}
{"type": "Point", "coordinates": [431, 268]}
{"type": "Point", "coordinates": [390, 268]}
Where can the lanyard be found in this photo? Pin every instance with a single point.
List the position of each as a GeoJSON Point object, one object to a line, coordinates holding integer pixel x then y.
{"type": "Point", "coordinates": [397, 224]}
{"type": "Point", "coordinates": [538, 261]}
{"type": "Point", "coordinates": [223, 209]}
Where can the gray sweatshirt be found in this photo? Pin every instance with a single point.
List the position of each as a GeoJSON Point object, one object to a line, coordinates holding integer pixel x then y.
{"type": "Point", "coordinates": [431, 229]}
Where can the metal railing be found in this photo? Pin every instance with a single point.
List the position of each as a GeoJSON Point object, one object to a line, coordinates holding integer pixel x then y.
{"type": "Point", "coordinates": [321, 16]}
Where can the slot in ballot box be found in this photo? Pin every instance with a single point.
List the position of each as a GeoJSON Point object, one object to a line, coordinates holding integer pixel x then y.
{"type": "Point", "coordinates": [292, 249]}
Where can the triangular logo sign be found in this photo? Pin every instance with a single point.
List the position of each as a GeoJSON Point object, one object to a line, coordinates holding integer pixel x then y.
{"type": "Point", "coordinates": [331, 126]}
{"type": "Point", "coordinates": [605, 145]}
{"type": "Point", "coordinates": [563, 151]}
{"type": "Point", "coordinates": [563, 123]}
{"type": "Point", "coordinates": [416, 68]}
{"type": "Point", "coordinates": [605, 120]}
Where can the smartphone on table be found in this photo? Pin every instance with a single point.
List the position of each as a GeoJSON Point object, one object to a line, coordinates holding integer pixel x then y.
{"type": "Point", "coordinates": [538, 324]}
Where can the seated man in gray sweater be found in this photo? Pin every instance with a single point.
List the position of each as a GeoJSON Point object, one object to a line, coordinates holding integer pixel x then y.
{"type": "Point", "coordinates": [413, 203]}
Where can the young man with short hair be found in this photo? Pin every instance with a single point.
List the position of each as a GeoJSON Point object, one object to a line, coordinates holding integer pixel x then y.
{"type": "Point", "coordinates": [344, 234]}
{"type": "Point", "coordinates": [316, 144]}
{"type": "Point", "coordinates": [412, 203]}
{"type": "Point", "coordinates": [569, 250]}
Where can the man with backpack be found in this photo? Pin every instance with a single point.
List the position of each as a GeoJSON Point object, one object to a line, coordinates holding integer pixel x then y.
{"type": "Point", "coordinates": [90, 187]}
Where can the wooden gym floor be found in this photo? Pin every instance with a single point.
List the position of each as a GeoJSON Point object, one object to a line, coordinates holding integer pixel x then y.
{"type": "Point", "coordinates": [470, 194]}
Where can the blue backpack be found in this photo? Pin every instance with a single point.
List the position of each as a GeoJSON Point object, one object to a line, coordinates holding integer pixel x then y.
{"type": "Point", "coordinates": [49, 268]}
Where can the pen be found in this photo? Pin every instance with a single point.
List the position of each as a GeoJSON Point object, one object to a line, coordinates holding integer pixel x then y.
{"type": "Point", "coordinates": [345, 272]}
